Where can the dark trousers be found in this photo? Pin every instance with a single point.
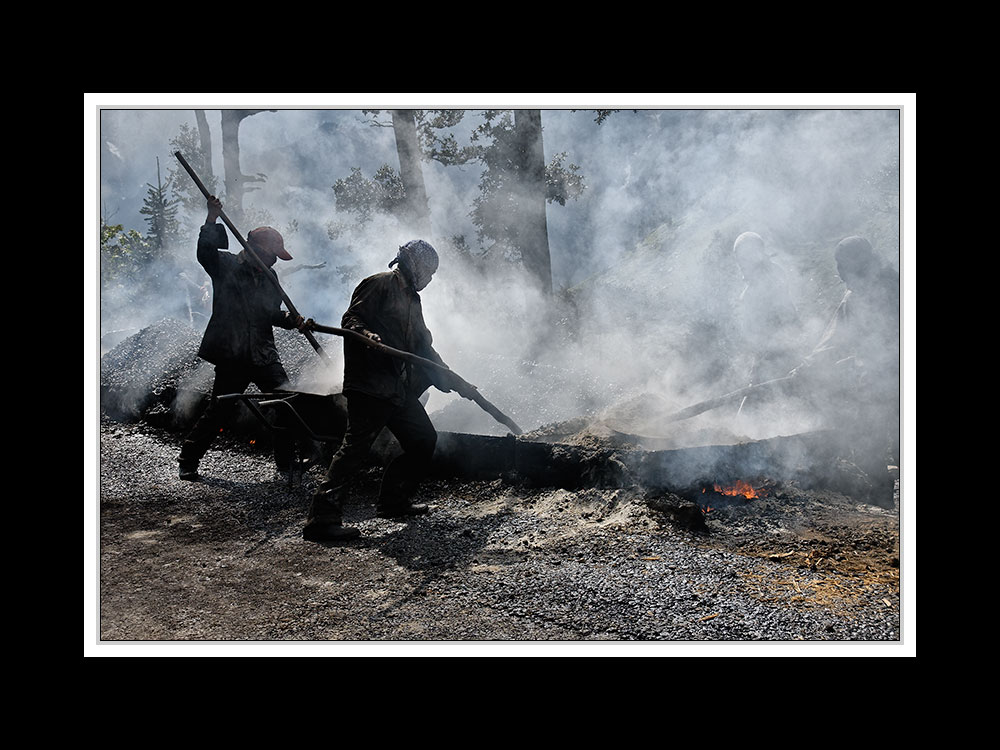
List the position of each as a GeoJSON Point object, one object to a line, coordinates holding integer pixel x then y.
{"type": "Point", "coordinates": [866, 432]}
{"type": "Point", "coordinates": [219, 414]}
{"type": "Point", "coordinates": [366, 417]}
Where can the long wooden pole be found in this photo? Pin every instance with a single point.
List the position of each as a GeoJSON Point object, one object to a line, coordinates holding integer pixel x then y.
{"type": "Point", "coordinates": [465, 389]}
{"type": "Point", "coordinates": [712, 403]}
{"type": "Point", "coordinates": [260, 264]}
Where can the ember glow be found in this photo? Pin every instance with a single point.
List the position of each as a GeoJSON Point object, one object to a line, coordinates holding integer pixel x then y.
{"type": "Point", "coordinates": [739, 488]}
{"type": "Point", "coordinates": [717, 495]}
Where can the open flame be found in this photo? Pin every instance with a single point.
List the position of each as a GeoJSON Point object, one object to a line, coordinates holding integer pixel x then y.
{"type": "Point", "coordinates": [739, 488]}
{"type": "Point", "coordinates": [718, 495]}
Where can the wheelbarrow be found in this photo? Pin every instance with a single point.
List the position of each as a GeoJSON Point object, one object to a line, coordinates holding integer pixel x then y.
{"type": "Point", "coordinates": [316, 422]}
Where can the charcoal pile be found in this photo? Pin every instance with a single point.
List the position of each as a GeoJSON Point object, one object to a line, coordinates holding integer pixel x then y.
{"type": "Point", "coordinates": [145, 372]}
{"type": "Point", "coordinates": [156, 375]}
{"type": "Point", "coordinates": [637, 421]}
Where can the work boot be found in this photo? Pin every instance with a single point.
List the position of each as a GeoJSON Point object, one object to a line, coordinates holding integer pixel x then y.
{"type": "Point", "coordinates": [325, 522]}
{"type": "Point", "coordinates": [397, 507]}
{"type": "Point", "coordinates": [189, 472]}
{"type": "Point", "coordinates": [394, 494]}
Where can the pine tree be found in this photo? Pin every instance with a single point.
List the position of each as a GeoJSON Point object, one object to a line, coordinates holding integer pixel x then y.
{"type": "Point", "coordinates": [124, 254]}
{"type": "Point", "coordinates": [196, 148]}
{"type": "Point", "coordinates": [160, 211]}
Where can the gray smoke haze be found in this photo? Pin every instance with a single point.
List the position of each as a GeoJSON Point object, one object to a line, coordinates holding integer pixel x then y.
{"type": "Point", "coordinates": [649, 303]}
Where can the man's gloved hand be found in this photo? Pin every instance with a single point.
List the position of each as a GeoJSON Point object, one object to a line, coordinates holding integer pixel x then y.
{"type": "Point", "coordinates": [449, 381]}
{"type": "Point", "coordinates": [214, 209]}
{"type": "Point", "coordinates": [298, 322]}
{"type": "Point", "coordinates": [467, 390]}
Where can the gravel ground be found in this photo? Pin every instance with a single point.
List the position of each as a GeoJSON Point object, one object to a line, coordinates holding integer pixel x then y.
{"type": "Point", "coordinates": [221, 564]}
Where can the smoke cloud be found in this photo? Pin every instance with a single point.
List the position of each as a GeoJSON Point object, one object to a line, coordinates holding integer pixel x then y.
{"type": "Point", "coordinates": [651, 311]}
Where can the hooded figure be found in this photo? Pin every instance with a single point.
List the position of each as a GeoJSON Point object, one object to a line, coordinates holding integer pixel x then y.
{"type": "Point", "coordinates": [418, 261]}
{"type": "Point", "coordinates": [766, 314]}
{"type": "Point", "coordinates": [383, 392]}
{"type": "Point", "coordinates": [853, 372]}
{"type": "Point", "coordinates": [239, 338]}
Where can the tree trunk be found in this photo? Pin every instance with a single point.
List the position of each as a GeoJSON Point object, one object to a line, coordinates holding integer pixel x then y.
{"type": "Point", "coordinates": [534, 234]}
{"type": "Point", "coordinates": [231, 119]}
{"type": "Point", "coordinates": [235, 180]}
{"type": "Point", "coordinates": [417, 212]}
{"type": "Point", "coordinates": [205, 133]}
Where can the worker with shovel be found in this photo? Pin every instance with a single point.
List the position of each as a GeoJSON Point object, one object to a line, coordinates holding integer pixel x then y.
{"type": "Point", "coordinates": [239, 339]}
{"type": "Point", "coordinates": [852, 375]}
{"type": "Point", "coordinates": [384, 391]}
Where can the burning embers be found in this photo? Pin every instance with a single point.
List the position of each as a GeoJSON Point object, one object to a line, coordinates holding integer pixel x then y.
{"type": "Point", "coordinates": [740, 491]}
{"type": "Point", "coordinates": [739, 488]}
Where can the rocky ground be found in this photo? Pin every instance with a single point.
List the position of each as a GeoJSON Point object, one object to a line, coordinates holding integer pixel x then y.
{"type": "Point", "coordinates": [495, 564]}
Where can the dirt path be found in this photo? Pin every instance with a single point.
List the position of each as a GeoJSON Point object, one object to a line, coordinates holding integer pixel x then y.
{"type": "Point", "coordinates": [221, 562]}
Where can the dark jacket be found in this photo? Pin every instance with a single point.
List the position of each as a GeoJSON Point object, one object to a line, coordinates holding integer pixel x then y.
{"type": "Point", "coordinates": [865, 327]}
{"type": "Point", "coordinates": [386, 304]}
{"type": "Point", "coordinates": [245, 305]}
{"type": "Point", "coordinates": [857, 358]}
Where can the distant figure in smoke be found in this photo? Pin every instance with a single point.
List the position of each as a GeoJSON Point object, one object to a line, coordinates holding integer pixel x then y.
{"type": "Point", "coordinates": [239, 339]}
{"type": "Point", "coordinates": [853, 372]}
{"type": "Point", "coordinates": [767, 317]}
{"type": "Point", "coordinates": [383, 391]}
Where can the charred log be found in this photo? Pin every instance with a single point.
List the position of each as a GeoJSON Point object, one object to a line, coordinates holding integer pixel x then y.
{"type": "Point", "coordinates": [677, 510]}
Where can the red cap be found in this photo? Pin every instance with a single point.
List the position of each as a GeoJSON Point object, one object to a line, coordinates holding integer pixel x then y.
{"type": "Point", "coordinates": [269, 239]}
